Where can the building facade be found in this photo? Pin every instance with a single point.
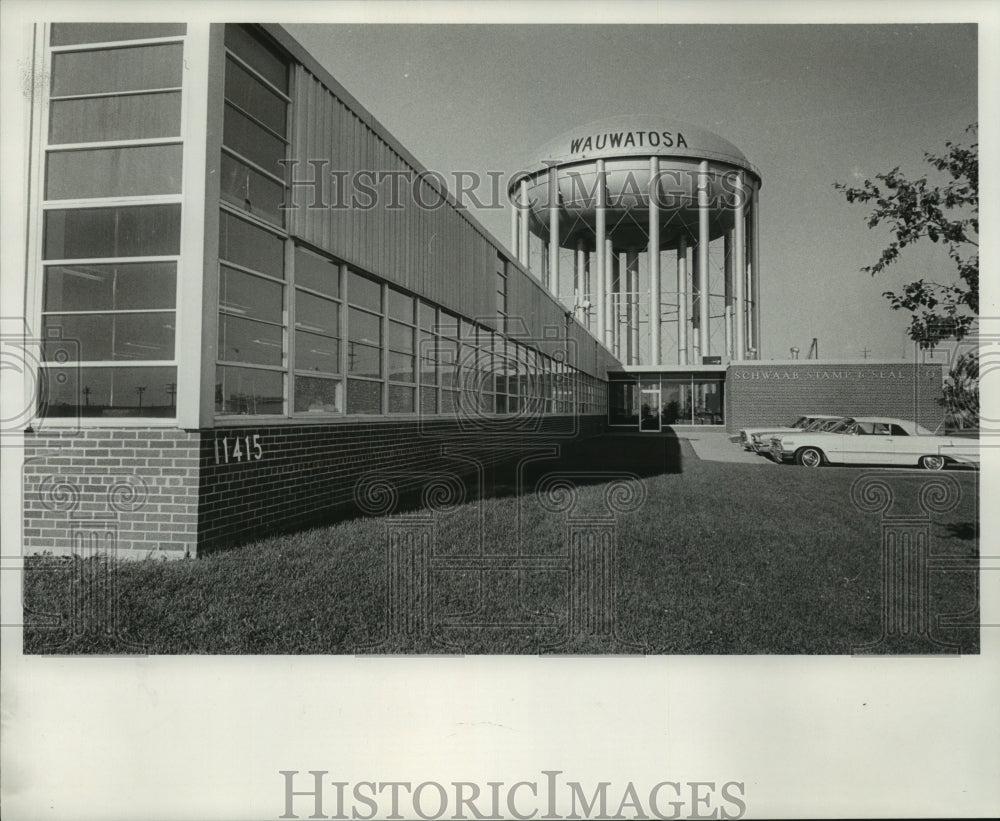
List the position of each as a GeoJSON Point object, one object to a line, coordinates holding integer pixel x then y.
{"type": "Point", "coordinates": [255, 310]}
{"type": "Point", "coordinates": [227, 346]}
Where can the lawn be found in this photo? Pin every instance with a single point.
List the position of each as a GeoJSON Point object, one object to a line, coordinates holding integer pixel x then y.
{"type": "Point", "coordinates": [708, 557]}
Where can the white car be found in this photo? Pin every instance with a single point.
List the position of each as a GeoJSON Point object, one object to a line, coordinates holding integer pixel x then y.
{"type": "Point", "coordinates": [759, 439]}
{"type": "Point", "coordinates": [875, 440]}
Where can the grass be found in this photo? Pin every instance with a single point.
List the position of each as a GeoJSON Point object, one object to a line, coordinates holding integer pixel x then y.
{"type": "Point", "coordinates": [720, 558]}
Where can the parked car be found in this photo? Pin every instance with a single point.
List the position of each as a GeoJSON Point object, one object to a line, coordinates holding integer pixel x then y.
{"type": "Point", "coordinates": [875, 440]}
{"type": "Point", "coordinates": [759, 439]}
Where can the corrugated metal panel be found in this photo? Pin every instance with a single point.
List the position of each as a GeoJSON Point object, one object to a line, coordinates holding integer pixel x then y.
{"type": "Point", "coordinates": [437, 253]}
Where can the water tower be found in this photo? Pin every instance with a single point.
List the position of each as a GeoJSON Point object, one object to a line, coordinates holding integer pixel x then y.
{"type": "Point", "coordinates": [647, 230]}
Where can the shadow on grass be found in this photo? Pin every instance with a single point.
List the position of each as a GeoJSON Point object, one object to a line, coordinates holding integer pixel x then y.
{"type": "Point", "coordinates": [476, 475]}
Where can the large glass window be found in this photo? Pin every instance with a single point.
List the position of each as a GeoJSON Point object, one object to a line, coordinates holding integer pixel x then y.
{"type": "Point", "coordinates": [364, 397]}
{"type": "Point", "coordinates": [127, 391]}
{"type": "Point", "coordinates": [113, 172]}
{"type": "Point", "coordinates": [128, 117]}
{"type": "Point", "coordinates": [254, 138]}
{"type": "Point", "coordinates": [245, 91]}
{"type": "Point", "coordinates": [249, 391]}
{"type": "Point", "coordinates": [65, 34]}
{"type": "Point", "coordinates": [247, 340]}
{"type": "Point", "coordinates": [251, 246]}
{"type": "Point", "coordinates": [115, 287]}
{"type": "Point", "coordinates": [685, 399]}
{"type": "Point", "coordinates": [253, 141]}
{"type": "Point", "coordinates": [113, 337]}
{"type": "Point", "coordinates": [401, 359]}
{"type": "Point", "coordinates": [104, 305]}
{"type": "Point", "coordinates": [364, 345]}
{"type": "Point", "coordinates": [243, 294]}
{"type": "Point", "coordinates": [252, 322]}
{"type": "Point", "coordinates": [250, 190]}
{"type": "Point", "coordinates": [315, 395]}
{"type": "Point", "coordinates": [318, 387]}
{"type": "Point", "coordinates": [260, 57]}
{"type": "Point", "coordinates": [99, 233]}
{"type": "Point", "coordinates": [136, 68]}
{"type": "Point", "coordinates": [364, 292]}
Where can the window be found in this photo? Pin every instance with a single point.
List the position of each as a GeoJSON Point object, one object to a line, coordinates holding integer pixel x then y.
{"type": "Point", "coordinates": [116, 70]}
{"type": "Point", "coordinates": [364, 345]}
{"type": "Point", "coordinates": [261, 58]}
{"type": "Point", "coordinates": [501, 279]}
{"type": "Point", "coordinates": [93, 233]}
{"type": "Point", "coordinates": [252, 323]}
{"type": "Point", "coordinates": [116, 287]}
{"type": "Point", "coordinates": [247, 93]}
{"type": "Point", "coordinates": [447, 356]}
{"type": "Point", "coordinates": [249, 391]}
{"type": "Point", "coordinates": [90, 391]}
{"type": "Point", "coordinates": [250, 245]}
{"type": "Point", "coordinates": [364, 335]}
{"type": "Point", "coordinates": [401, 352]}
{"type": "Point", "coordinates": [248, 189]}
{"type": "Point", "coordinates": [427, 342]}
{"type": "Point", "coordinates": [251, 184]}
{"type": "Point", "coordinates": [65, 34]}
{"type": "Point", "coordinates": [109, 278]}
{"type": "Point", "coordinates": [255, 121]}
{"type": "Point", "coordinates": [113, 172]}
{"type": "Point", "coordinates": [318, 386]}
{"type": "Point", "coordinates": [251, 139]}
{"type": "Point", "coordinates": [129, 117]}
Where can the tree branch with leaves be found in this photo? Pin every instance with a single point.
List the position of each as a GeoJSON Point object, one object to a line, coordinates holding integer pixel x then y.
{"type": "Point", "coordinates": [947, 213]}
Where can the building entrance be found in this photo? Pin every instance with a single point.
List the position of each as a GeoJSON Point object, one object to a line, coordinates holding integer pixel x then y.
{"type": "Point", "coordinates": [648, 401]}
{"type": "Point", "coordinates": [649, 411]}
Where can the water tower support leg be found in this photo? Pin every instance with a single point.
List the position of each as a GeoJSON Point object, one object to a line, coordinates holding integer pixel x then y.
{"type": "Point", "coordinates": [654, 263]}
{"type": "Point", "coordinates": [703, 278]}
{"type": "Point", "coordinates": [682, 309]}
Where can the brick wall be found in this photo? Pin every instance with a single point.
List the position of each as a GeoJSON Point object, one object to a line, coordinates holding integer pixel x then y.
{"type": "Point", "coordinates": [130, 491]}
{"type": "Point", "coordinates": [166, 492]}
{"type": "Point", "coordinates": [307, 474]}
{"type": "Point", "coordinates": [776, 393]}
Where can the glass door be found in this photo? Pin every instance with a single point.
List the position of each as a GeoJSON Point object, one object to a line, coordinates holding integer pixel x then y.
{"type": "Point", "coordinates": [649, 410]}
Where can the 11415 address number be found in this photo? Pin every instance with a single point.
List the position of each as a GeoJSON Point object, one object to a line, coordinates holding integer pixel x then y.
{"type": "Point", "coordinates": [236, 448]}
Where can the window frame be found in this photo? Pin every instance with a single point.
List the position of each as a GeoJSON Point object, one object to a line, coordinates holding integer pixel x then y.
{"type": "Point", "coordinates": [47, 147]}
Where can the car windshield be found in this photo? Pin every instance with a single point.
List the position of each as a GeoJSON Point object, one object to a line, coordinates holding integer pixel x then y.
{"type": "Point", "coordinates": [839, 426]}
{"type": "Point", "coordinates": [801, 422]}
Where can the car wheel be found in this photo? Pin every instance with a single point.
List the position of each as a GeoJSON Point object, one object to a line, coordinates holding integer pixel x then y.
{"type": "Point", "coordinates": [809, 457]}
{"type": "Point", "coordinates": [932, 462]}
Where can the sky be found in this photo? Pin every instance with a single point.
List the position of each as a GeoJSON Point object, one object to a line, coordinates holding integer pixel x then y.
{"type": "Point", "coordinates": [809, 105]}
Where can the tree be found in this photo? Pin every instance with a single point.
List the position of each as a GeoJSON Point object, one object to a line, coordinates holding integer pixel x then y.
{"type": "Point", "coordinates": [943, 213]}
{"type": "Point", "coordinates": [961, 391]}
